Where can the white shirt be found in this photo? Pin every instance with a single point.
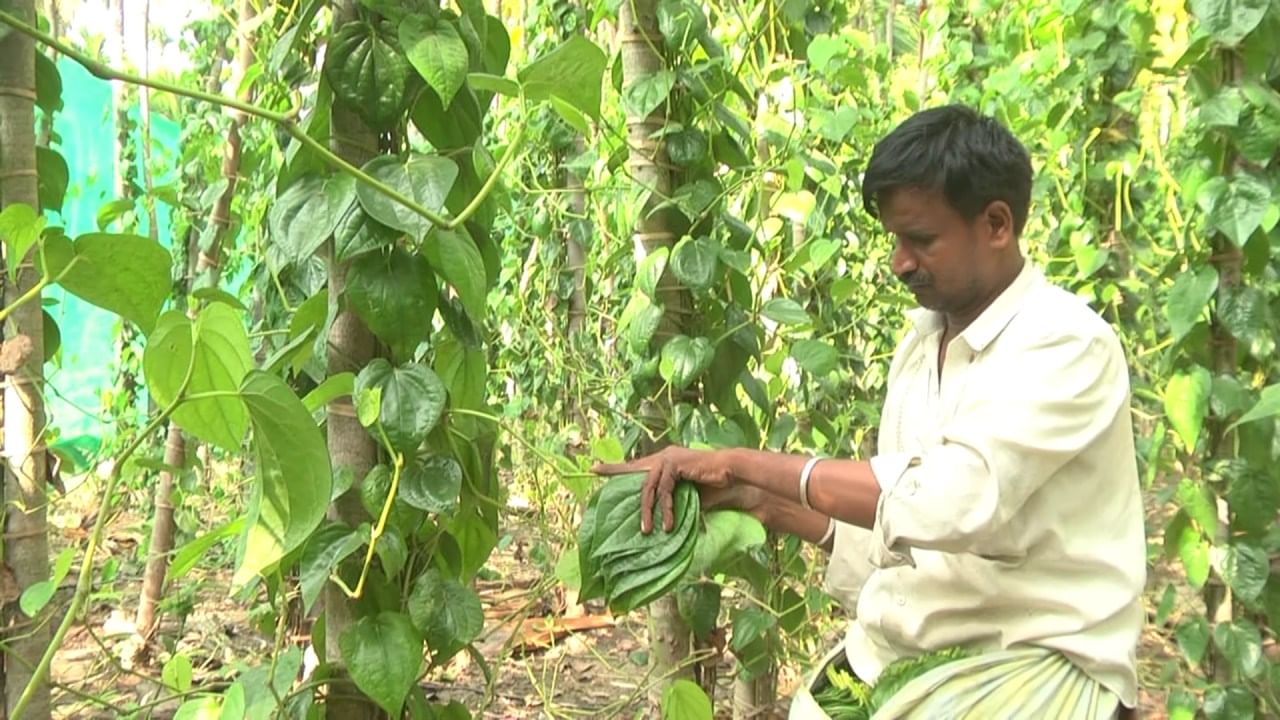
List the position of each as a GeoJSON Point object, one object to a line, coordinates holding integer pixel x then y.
{"type": "Point", "coordinates": [1010, 511]}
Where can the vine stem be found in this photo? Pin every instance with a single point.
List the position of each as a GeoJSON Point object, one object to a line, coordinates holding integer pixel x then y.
{"type": "Point", "coordinates": [286, 120]}
{"type": "Point", "coordinates": [397, 465]}
{"type": "Point", "coordinates": [84, 581]}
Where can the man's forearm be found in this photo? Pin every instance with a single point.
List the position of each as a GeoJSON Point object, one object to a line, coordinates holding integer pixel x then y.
{"type": "Point", "coordinates": [844, 489]}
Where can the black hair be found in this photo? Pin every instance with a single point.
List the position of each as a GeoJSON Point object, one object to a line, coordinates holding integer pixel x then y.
{"type": "Point", "coordinates": [971, 158]}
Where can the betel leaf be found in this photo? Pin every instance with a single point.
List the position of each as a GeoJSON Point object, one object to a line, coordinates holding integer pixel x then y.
{"type": "Point", "coordinates": [446, 612]}
{"type": "Point", "coordinates": [53, 178]}
{"type": "Point", "coordinates": [383, 654]}
{"type": "Point", "coordinates": [1241, 643]}
{"type": "Point", "coordinates": [1192, 636]}
{"type": "Point", "coordinates": [725, 536]}
{"type": "Point", "coordinates": [1244, 567]}
{"type": "Point", "coordinates": [394, 292]}
{"type": "Point", "coordinates": [649, 271]}
{"type": "Point", "coordinates": [38, 594]}
{"type": "Point", "coordinates": [292, 487]}
{"type": "Point", "coordinates": [647, 93]}
{"type": "Point", "coordinates": [1195, 497]}
{"type": "Point", "coordinates": [413, 398]}
{"type": "Point", "coordinates": [694, 262]}
{"type": "Point", "coordinates": [573, 71]}
{"type": "Point", "coordinates": [437, 52]}
{"type": "Point", "coordinates": [90, 268]}
{"type": "Point", "coordinates": [333, 387]}
{"type": "Point", "coordinates": [1268, 406]}
{"type": "Point", "coordinates": [425, 179]}
{"type": "Point", "coordinates": [186, 557]}
{"type": "Point", "coordinates": [1239, 210]}
{"type": "Point", "coordinates": [357, 234]}
{"type": "Point", "coordinates": [1229, 21]}
{"type": "Point", "coordinates": [329, 546]}
{"type": "Point", "coordinates": [219, 348]}
{"type": "Point", "coordinates": [367, 72]}
{"type": "Point", "coordinates": [432, 484]}
{"type": "Point", "coordinates": [815, 356]}
{"type": "Point", "coordinates": [463, 371]}
{"type": "Point", "coordinates": [1186, 401]}
{"type": "Point", "coordinates": [494, 84]}
{"type": "Point", "coordinates": [749, 625]}
{"type": "Point", "coordinates": [684, 359]}
{"type": "Point", "coordinates": [20, 228]}
{"type": "Point", "coordinates": [684, 700]}
{"type": "Point", "coordinates": [176, 673]}
{"type": "Point", "coordinates": [1190, 294]}
{"type": "Point", "coordinates": [309, 212]}
{"type": "Point", "coordinates": [455, 257]}
{"type": "Point", "coordinates": [1228, 703]}
{"type": "Point", "coordinates": [785, 311]}
{"type": "Point", "coordinates": [48, 85]}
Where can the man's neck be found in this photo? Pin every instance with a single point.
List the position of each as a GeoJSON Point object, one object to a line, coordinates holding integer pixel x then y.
{"type": "Point", "coordinates": [955, 323]}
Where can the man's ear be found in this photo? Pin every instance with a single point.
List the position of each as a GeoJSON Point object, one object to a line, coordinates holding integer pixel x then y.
{"type": "Point", "coordinates": [997, 221]}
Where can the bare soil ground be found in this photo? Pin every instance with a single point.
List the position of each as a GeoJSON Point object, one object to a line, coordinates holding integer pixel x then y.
{"type": "Point", "coordinates": [545, 665]}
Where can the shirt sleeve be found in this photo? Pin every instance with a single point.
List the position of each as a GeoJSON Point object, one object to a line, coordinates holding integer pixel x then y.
{"type": "Point", "coordinates": [960, 494]}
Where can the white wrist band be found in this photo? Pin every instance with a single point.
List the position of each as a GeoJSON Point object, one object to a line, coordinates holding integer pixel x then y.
{"type": "Point", "coordinates": [804, 482]}
{"type": "Point", "coordinates": [831, 531]}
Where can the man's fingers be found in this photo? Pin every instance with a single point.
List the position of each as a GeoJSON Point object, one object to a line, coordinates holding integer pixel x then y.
{"type": "Point", "coordinates": [647, 493]}
{"type": "Point", "coordinates": [665, 491]}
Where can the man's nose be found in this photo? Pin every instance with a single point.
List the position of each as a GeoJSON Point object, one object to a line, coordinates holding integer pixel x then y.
{"type": "Point", "coordinates": [903, 260]}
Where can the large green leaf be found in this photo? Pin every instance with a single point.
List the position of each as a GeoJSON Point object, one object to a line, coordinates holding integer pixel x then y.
{"type": "Point", "coordinates": [425, 179]}
{"type": "Point", "coordinates": [383, 653]}
{"type": "Point", "coordinates": [1192, 635]}
{"type": "Point", "coordinates": [1229, 21]}
{"type": "Point", "coordinates": [395, 294]}
{"type": "Point", "coordinates": [126, 274]}
{"type": "Point", "coordinates": [647, 93]}
{"type": "Point", "coordinates": [453, 130]}
{"type": "Point", "coordinates": [437, 52]}
{"type": "Point", "coordinates": [574, 72]}
{"type": "Point", "coordinates": [1229, 703]}
{"type": "Point", "coordinates": [463, 371]}
{"type": "Point", "coordinates": [327, 547]}
{"type": "Point", "coordinates": [649, 271]}
{"type": "Point", "coordinates": [20, 227]}
{"type": "Point", "coordinates": [222, 358]}
{"type": "Point", "coordinates": [815, 356]}
{"type": "Point", "coordinates": [785, 311]}
{"type": "Point", "coordinates": [1245, 569]}
{"type": "Point", "coordinates": [1239, 211]}
{"type": "Point", "coordinates": [726, 535]}
{"type": "Point", "coordinates": [684, 700]}
{"type": "Point", "coordinates": [1268, 406]}
{"type": "Point", "coordinates": [309, 212]}
{"type": "Point", "coordinates": [684, 359]}
{"type": "Point", "coordinates": [694, 262]}
{"type": "Point", "coordinates": [48, 85]}
{"type": "Point", "coordinates": [751, 624]}
{"type": "Point", "coordinates": [1241, 643]}
{"type": "Point", "coordinates": [1190, 293]}
{"type": "Point", "coordinates": [413, 399]}
{"type": "Point", "coordinates": [357, 234]}
{"type": "Point", "coordinates": [455, 257]}
{"type": "Point", "coordinates": [367, 72]}
{"type": "Point", "coordinates": [1186, 401]}
{"type": "Point", "coordinates": [53, 178]}
{"type": "Point", "coordinates": [432, 484]}
{"type": "Point", "coordinates": [292, 488]}
{"type": "Point", "coordinates": [446, 612]}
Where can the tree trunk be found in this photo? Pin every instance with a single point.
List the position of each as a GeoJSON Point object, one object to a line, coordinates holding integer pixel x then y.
{"type": "Point", "coordinates": [670, 638]}
{"type": "Point", "coordinates": [208, 268]}
{"type": "Point", "coordinates": [26, 549]}
{"type": "Point", "coordinates": [351, 347]}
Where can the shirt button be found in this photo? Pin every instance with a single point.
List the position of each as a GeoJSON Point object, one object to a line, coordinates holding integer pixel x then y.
{"type": "Point", "coordinates": [901, 601]}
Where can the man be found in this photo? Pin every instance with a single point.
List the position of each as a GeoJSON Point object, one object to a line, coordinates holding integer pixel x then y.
{"type": "Point", "coordinates": [1002, 512]}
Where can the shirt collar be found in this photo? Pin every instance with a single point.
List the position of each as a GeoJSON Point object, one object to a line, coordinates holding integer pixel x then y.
{"type": "Point", "coordinates": [988, 325]}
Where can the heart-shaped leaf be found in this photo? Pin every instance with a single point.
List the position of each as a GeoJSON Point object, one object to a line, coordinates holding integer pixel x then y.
{"type": "Point", "coordinates": [448, 613]}
{"type": "Point", "coordinates": [309, 212]}
{"type": "Point", "coordinates": [367, 72]}
{"type": "Point", "coordinates": [437, 52]}
{"type": "Point", "coordinates": [413, 398]}
{"type": "Point", "coordinates": [432, 484]}
{"type": "Point", "coordinates": [456, 258]}
{"type": "Point", "coordinates": [425, 179]}
{"type": "Point", "coordinates": [1190, 293]}
{"type": "Point", "coordinates": [90, 267]}
{"type": "Point", "coordinates": [292, 487]}
{"type": "Point", "coordinates": [1186, 401]}
{"type": "Point", "coordinates": [395, 294]}
{"type": "Point", "coordinates": [574, 72]}
{"type": "Point", "coordinates": [383, 653]}
{"type": "Point", "coordinates": [684, 359]}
